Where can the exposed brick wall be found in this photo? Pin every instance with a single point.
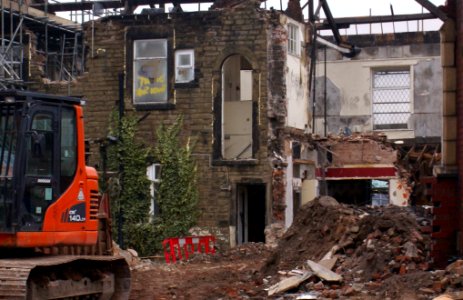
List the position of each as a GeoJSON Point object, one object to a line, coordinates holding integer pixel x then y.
{"type": "Point", "coordinates": [242, 29]}
{"type": "Point", "coordinates": [277, 49]}
{"type": "Point", "coordinates": [447, 189]}
{"type": "Point", "coordinates": [444, 196]}
{"type": "Point", "coordinates": [458, 8]}
{"type": "Point", "coordinates": [294, 10]}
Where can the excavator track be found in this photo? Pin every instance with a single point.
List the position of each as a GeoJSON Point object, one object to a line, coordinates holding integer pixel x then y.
{"type": "Point", "coordinates": [65, 277]}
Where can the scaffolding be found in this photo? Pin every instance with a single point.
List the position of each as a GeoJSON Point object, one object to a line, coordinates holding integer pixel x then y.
{"type": "Point", "coordinates": [57, 44]}
{"type": "Point", "coordinates": [32, 35]}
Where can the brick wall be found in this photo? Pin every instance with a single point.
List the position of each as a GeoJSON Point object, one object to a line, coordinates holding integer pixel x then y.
{"type": "Point", "coordinates": [243, 29]}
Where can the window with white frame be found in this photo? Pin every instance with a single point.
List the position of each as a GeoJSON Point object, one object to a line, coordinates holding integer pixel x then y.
{"type": "Point", "coordinates": [184, 66]}
{"type": "Point", "coordinates": [391, 99]}
{"type": "Point", "coordinates": [293, 39]}
{"type": "Point", "coordinates": [154, 176]}
{"type": "Point", "coordinates": [149, 71]}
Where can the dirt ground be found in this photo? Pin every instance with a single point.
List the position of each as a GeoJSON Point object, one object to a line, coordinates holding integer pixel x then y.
{"type": "Point", "coordinates": [232, 275]}
{"type": "Point", "coordinates": [381, 253]}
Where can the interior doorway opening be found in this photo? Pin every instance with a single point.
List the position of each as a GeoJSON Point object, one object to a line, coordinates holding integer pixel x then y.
{"type": "Point", "coordinates": [251, 213]}
{"type": "Point", "coordinates": [237, 117]}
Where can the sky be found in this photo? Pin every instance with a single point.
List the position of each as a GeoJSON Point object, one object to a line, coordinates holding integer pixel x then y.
{"type": "Point", "coordinates": [359, 8]}
{"type": "Point", "coordinates": [350, 8]}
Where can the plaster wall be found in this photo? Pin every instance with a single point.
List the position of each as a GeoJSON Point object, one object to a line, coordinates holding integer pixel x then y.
{"type": "Point", "coordinates": [297, 85]}
{"type": "Point", "coordinates": [348, 85]}
{"type": "Point", "coordinates": [398, 192]}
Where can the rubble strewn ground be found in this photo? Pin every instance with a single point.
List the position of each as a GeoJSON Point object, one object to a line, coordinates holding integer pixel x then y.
{"type": "Point", "coordinates": [380, 253]}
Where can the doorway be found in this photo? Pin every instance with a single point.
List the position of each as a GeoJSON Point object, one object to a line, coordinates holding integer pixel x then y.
{"type": "Point", "coordinates": [251, 213]}
{"type": "Point", "coordinates": [237, 115]}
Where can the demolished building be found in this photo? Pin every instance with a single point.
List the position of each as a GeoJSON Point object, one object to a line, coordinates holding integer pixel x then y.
{"type": "Point", "coordinates": [240, 76]}
{"type": "Point", "coordinates": [397, 92]}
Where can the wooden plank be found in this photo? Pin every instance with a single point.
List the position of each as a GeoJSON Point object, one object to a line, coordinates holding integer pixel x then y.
{"type": "Point", "coordinates": [36, 13]}
{"type": "Point", "coordinates": [328, 263]}
{"type": "Point", "coordinates": [288, 283]}
{"type": "Point", "coordinates": [41, 14]}
{"type": "Point", "coordinates": [323, 272]}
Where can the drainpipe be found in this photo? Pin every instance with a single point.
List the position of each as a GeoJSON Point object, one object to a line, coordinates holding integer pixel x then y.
{"type": "Point", "coordinates": [120, 215]}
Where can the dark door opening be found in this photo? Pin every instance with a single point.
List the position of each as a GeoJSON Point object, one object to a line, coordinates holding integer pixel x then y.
{"type": "Point", "coordinates": [251, 213]}
{"type": "Point", "coordinates": [357, 192]}
{"type": "Point", "coordinates": [360, 192]}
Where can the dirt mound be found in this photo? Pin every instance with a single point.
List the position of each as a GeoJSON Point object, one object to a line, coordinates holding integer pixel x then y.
{"type": "Point", "coordinates": [318, 226]}
{"type": "Point", "coordinates": [370, 244]}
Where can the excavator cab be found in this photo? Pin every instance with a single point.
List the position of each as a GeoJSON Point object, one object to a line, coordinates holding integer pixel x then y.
{"type": "Point", "coordinates": [48, 197]}
{"type": "Point", "coordinates": [50, 203]}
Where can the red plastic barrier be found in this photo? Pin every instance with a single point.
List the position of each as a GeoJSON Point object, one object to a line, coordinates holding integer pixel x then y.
{"type": "Point", "coordinates": [181, 248]}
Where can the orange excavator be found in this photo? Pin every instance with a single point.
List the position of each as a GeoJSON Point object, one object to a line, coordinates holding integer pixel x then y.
{"type": "Point", "coordinates": [55, 240]}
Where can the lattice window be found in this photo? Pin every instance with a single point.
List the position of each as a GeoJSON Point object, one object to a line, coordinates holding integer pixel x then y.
{"type": "Point", "coordinates": [293, 39]}
{"type": "Point", "coordinates": [391, 99]}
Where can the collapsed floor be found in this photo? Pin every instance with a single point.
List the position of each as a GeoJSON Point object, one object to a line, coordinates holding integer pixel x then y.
{"type": "Point", "coordinates": [375, 253]}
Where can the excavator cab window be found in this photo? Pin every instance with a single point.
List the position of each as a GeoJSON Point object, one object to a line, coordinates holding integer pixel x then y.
{"type": "Point", "coordinates": [10, 119]}
{"type": "Point", "coordinates": [51, 160]}
{"type": "Point", "coordinates": [40, 175]}
{"type": "Point", "coordinates": [40, 146]}
{"type": "Point", "coordinates": [68, 147]}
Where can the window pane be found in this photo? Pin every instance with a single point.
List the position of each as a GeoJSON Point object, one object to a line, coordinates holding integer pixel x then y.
{"type": "Point", "coordinates": [184, 60]}
{"type": "Point", "coordinates": [392, 79]}
{"type": "Point", "coordinates": [150, 81]}
{"type": "Point", "coordinates": [150, 48]}
{"type": "Point", "coordinates": [40, 146]}
{"type": "Point", "coordinates": [68, 147]}
{"type": "Point", "coordinates": [184, 75]}
{"type": "Point", "coordinates": [384, 96]}
{"type": "Point", "coordinates": [293, 39]}
{"type": "Point", "coordinates": [391, 99]}
{"type": "Point", "coordinates": [391, 119]}
{"type": "Point", "coordinates": [9, 119]}
{"type": "Point", "coordinates": [391, 108]}
{"type": "Point", "coordinates": [42, 122]}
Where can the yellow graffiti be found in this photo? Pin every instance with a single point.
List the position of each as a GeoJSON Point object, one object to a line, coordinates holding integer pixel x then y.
{"type": "Point", "coordinates": [146, 88]}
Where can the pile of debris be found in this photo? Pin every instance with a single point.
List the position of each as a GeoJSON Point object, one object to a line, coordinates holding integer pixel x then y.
{"type": "Point", "coordinates": [334, 250]}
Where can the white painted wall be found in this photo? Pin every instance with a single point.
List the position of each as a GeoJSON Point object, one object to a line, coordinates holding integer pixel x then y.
{"type": "Point", "coordinates": [353, 79]}
{"type": "Point", "coordinates": [297, 91]}
{"type": "Point", "coordinates": [399, 192]}
{"type": "Point", "coordinates": [309, 190]}
{"type": "Point", "coordinates": [289, 193]}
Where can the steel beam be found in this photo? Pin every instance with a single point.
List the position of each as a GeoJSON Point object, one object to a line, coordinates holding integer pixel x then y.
{"type": "Point", "coordinates": [433, 9]}
{"type": "Point", "coordinates": [109, 4]}
{"type": "Point", "coordinates": [346, 22]}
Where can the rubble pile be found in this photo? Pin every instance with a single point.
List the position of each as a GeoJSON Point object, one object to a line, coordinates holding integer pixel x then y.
{"type": "Point", "coordinates": [373, 250]}
{"type": "Point", "coordinates": [244, 251]}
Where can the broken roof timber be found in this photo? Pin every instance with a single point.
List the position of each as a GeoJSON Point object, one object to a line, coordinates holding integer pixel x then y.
{"type": "Point", "coordinates": [346, 22]}
{"type": "Point", "coordinates": [433, 9]}
{"type": "Point", "coordinates": [108, 4]}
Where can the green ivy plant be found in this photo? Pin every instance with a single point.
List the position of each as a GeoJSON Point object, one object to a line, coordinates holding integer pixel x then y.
{"type": "Point", "coordinates": [131, 195]}
{"type": "Point", "coordinates": [177, 194]}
